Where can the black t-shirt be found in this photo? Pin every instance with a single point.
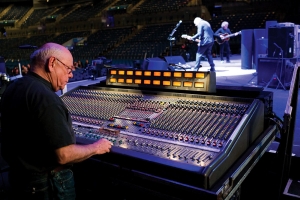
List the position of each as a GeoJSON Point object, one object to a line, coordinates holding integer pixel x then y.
{"type": "Point", "coordinates": [35, 122]}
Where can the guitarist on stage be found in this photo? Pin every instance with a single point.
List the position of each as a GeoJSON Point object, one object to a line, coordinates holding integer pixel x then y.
{"type": "Point", "coordinates": [205, 39]}
{"type": "Point", "coordinates": [224, 43]}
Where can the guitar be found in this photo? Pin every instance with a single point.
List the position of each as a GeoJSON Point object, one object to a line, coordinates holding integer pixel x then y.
{"type": "Point", "coordinates": [226, 37]}
{"type": "Point", "coordinates": [187, 37]}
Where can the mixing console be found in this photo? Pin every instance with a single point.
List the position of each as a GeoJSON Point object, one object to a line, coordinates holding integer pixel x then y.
{"type": "Point", "coordinates": [199, 135]}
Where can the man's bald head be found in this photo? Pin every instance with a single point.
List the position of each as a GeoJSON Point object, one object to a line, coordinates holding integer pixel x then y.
{"type": "Point", "coordinates": [54, 63]}
{"type": "Point", "coordinates": [40, 56]}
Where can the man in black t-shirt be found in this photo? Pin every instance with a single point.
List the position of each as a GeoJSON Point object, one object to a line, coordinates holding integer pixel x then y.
{"type": "Point", "coordinates": [37, 138]}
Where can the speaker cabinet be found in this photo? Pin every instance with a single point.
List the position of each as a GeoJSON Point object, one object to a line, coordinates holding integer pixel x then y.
{"type": "Point", "coordinates": [260, 50]}
{"type": "Point", "coordinates": [155, 63]}
{"type": "Point", "coordinates": [175, 60]}
{"type": "Point", "coordinates": [247, 48]}
{"type": "Point", "coordinates": [268, 67]}
{"type": "Point", "coordinates": [281, 39]}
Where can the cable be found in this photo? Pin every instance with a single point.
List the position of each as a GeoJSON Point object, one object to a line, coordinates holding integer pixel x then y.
{"type": "Point", "coordinates": [279, 123]}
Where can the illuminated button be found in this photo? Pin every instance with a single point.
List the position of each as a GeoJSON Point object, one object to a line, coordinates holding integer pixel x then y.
{"type": "Point", "coordinates": [187, 84]}
{"type": "Point", "coordinates": [188, 75]}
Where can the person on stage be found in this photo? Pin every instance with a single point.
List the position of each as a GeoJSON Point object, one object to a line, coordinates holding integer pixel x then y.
{"type": "Point", "coordinates": [221, 33]}
{"type": "Point", "coordinates": [205, 35]}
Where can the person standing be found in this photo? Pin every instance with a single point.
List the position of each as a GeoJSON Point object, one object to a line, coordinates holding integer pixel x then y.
{"type": "Point", "coordinates": [37, 138]}
{"type": "Point", "coordinates": [86, 64]}
{"type": "Point", "coordinates": [79, 64]}
{"type": "Point", "coordinates": [205, 35]}
{"type": "Point", "coordinates": [224, 43]}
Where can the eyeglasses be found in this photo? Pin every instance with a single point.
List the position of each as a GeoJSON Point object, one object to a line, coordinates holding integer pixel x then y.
{"type": "Point", "coordinates": [69, 69]}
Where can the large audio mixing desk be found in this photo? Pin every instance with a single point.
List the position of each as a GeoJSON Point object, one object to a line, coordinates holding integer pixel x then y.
{"type": "Point", "coordinates": [168, 143]}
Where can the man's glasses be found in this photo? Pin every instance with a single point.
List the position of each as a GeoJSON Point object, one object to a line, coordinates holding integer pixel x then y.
{"type": "Point", "coordinates": [69, 69]}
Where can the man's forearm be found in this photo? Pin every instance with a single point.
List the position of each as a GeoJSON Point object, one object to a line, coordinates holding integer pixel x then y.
{"type": "Point", "coordinates": [75, 153]}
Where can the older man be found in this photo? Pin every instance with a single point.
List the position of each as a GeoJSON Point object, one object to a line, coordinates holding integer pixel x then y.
{"type": "Point", "coordinates": [37, 138]}
{"type": "Point", "coordinates": [205, 38]}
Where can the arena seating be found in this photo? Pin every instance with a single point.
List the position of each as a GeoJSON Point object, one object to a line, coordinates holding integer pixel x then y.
{"type": "Point", "coordinates": [122, 44]}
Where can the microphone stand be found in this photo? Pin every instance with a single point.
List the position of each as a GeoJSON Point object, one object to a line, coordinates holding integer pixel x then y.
{"type": "Point", "coordinates": [171, 38]}
{"type": "Point", "coordinates": [275, 76]}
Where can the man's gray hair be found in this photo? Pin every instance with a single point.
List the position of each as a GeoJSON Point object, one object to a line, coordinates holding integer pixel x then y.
{"type": "Point", "coordinates": [41, 55]}
{"type": "Point", "coordinates": [224, 24]}
{"type": "Point", "coordinates": [197, 20]}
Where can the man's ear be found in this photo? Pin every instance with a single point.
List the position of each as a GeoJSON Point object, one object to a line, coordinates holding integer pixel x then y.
{"type": "Point", "coordinates": [50, 64]}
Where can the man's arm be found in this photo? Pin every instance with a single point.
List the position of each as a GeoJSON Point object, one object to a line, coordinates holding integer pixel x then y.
{"type": "Point", "coordinates": [218, 33]}
{"type": "Point", "coordinates": [75, 153]}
